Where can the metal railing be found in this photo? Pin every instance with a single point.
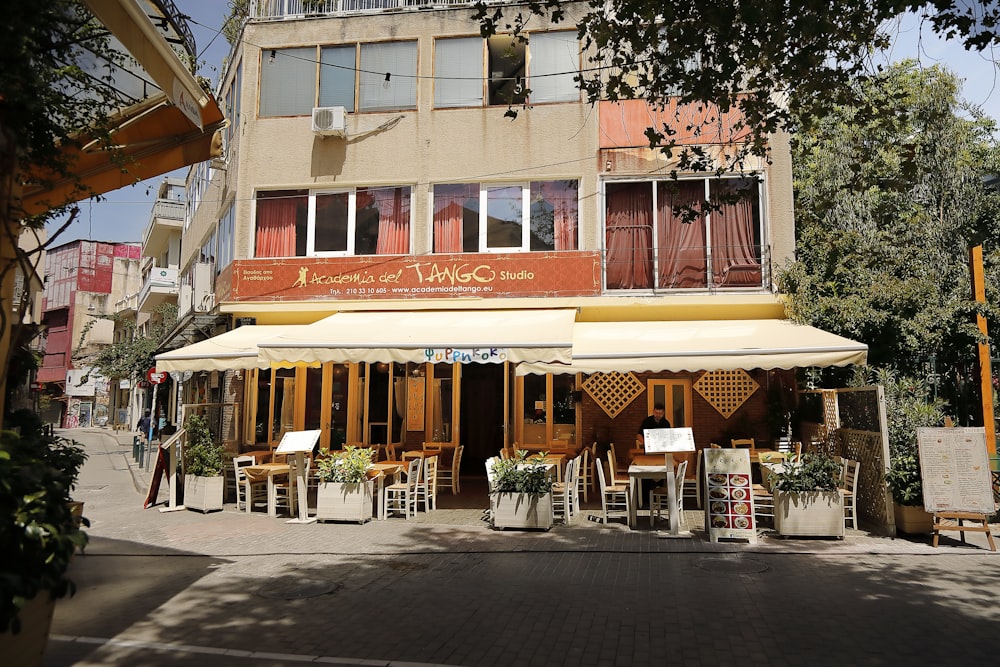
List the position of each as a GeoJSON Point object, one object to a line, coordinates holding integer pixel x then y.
{"type": "Point", "coordinates": [274, 10]}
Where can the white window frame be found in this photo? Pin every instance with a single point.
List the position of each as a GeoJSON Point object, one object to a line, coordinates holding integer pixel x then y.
{"type": "Point", "coordinates": [484, 189]}
{"type": "Point", "coordinates": [352, 199]}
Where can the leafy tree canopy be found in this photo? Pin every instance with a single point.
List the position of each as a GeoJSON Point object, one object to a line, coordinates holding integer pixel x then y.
{"type": "Point", "coordinates": [134, 355]}
{"type": "Point", "coordinates": [779, 64]}
{"type": "Point", "coordinates": [889, 197]}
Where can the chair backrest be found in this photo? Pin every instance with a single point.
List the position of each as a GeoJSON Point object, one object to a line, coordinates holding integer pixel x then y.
{"type": "Point", "coordinates": [390, 452]}
{"type": "Point", "coordinates": [490, 462]}
{"type": "Point", "coordinates": [600, 476]}
{"type": "Point", "coordinates": [742, 443]}
{"type": "Point", "coordinates": [413, 472]}
{"type": "Point", "coordinates": [851, 475]}
{"type": "Point", "coordinates": [612, 460]}
{"type": "Point", "coordinates": [457, 460]}
{"type": "Point", "coordinates": [432, 446]}
{"type": "Point", "coordinates": [240, 462]}
{"type": "Point", "coordinates": [679, 479]}
{"type": "Point", "coordinates": [430, 470]}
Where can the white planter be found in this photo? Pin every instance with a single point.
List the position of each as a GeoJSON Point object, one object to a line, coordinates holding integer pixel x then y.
{"type": "Point", "coordinates": [337, 501]}
{"type": "Point", "coordinates": [809, 514]}
{"type": "Point", "coordinates": [204, 494]}
{"type": "Point", "coordinates": [520, 510]}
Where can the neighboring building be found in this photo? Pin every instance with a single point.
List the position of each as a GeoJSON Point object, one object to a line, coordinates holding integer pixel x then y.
{"type": "Point", "coordinates": [84, 280]}
{"type": "Point", "coordinates": [26, 312]}
{"type": "Point", "coordinates": [465, 261]}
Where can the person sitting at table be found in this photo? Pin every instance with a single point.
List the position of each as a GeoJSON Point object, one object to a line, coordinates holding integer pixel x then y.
{"type": "Point", "coordinates": [656, 420]}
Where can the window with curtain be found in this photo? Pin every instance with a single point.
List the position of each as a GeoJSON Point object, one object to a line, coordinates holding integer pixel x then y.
{"type": "Point", "coordinates": [554, 59]}
{"type": "Point", "coordinates": [397, 91]}
{"type": "Point", "coordinates": [287, 82]}
{"type": "Point", "coordinates": [509, 217]}
{"type": "Point", "coordinates": [356, 221]}
{"type": "Point", "coordinates": [458, 72]}
{"type": "Point", "coordinates": [686, 234]}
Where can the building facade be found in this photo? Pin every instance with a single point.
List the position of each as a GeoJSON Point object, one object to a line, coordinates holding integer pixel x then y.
{"type": "Point", "coordinates": [446, 211]}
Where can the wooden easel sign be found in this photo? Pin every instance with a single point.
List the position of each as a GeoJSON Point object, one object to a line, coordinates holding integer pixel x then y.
{"type": "Point", "coordinates": [954, 468]}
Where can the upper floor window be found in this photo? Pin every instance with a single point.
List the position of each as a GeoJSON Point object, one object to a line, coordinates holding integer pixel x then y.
{"type": "Point", "coordinates": [546, 66]}
{"type": "Point", "coordinates": [506, 217]}
{"type": "Point", "coordinates": [354, 221]}
{"type": "Point", "coordinates": [659, 235]}
{"type": "Point", "coordinates": [293, 81]}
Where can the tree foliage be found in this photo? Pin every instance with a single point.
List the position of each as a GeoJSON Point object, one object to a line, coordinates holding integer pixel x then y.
{"type": "Point", "coordinates": [779, 64]}
{"type": "Point", "coordinates": [131, 357]}
{"type": "Point", "coordinates": [890, 195]}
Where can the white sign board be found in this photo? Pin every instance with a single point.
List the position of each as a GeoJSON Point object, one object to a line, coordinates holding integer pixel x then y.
{"type": "Point", "coordinates": [729, 512]}
{"type": "Point", "coordinates": [298, 441]}
{"type": "Point", "coordinates": [661, 440]}
{"type": "Point", "coordinates": [955, 470]}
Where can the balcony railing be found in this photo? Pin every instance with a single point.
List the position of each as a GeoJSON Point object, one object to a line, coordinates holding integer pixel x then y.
{"type": "Point", "coordinates": [161, 281]}
{"type": "Point", "coordinates": [273, 10]}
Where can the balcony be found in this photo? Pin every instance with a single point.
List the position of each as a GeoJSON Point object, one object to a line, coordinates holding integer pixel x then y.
{"type": "Point", "coordinates": [161, 285]}
{"type": "Point", "coordinates": [165, 220]}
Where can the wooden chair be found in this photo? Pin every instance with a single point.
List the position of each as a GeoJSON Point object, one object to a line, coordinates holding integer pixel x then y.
{"type": "Point", "coordinates": [243, 489]}
{"type": "Point", "coordinates": [692, 486]}
{"type": "Point", "coordinates": [428, 486]}
{"type": "Point", "coordinates": [286, 491]}
{"type": "Point", "coordinates": [586, 471]}
{"type": "Point", "coordinates": [849, 490]}
{"type": "Point", "coordinates": [402, 496]}
{"type": "Point", "coordinates": [614, 497]}
{"type": "Point", "coordinates": [618, 474]}
{"type": "Point", "coordinates": [742, 443]}
{"type": "Point", "coordinates": [659, 498]}
{"type": "Point", "coordinates": [449, 475]}
{"type": "Point", "coordinates": [562, 494]}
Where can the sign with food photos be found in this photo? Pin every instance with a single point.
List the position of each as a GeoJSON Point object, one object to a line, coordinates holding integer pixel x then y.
{"type": "Point", "coordinates": [729, 512]}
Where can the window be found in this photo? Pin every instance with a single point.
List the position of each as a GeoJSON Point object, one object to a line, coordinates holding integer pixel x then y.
{"type": "Point", "coordinates": [473, 217]}
{"type": "Point", "coordinates": [225, 240]}
{"type": "Point", "coordinates": [547, 65]}
{"type": "Point", "coordinates": [356, 221]}
{"type": "Point", "coordinates": [659, 234]}
{"type": "Point", "coordinates": [293, 81]}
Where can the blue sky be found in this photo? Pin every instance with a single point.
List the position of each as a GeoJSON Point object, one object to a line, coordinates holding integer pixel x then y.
{"type": "Point", "coordinates": [125, 212]}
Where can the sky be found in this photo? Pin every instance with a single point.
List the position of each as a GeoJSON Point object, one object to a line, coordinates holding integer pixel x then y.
{"type": "Point", "coordinates": [124, 213]}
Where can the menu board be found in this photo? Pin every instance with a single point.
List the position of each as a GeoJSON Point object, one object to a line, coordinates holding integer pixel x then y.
{"type": "Point", "coordinates": [297, 441]}
{"type": "Point", "coordinates": [661, 440]}
{"type": "Point", "coordinates": [954, 468]}
{"type": "Point", "coordinates": [729, 512]}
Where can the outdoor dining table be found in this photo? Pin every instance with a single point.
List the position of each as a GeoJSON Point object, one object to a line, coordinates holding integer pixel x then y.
{"type": "Point", "coordinates": [259, 456]}
{"type": "Point", "coordinates": [557, 460]}
{"type": "Point", "coordinates": [385, 469]}
{"type": "Point", "coordinates": [653, 466]}
{"type": "Point", "coordinates": [259, 471]}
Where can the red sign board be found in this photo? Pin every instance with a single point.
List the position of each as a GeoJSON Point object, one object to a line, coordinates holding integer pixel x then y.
{"type": "Point", "coordinates": [539, 274]}
{"type": "Point", "coordinates": [154, 377]}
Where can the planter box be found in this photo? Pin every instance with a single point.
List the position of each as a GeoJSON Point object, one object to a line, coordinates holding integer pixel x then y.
{"type": "Point", "coordinates": [912, 520]}
{"type": "Point", "coordinates": [26, 648]}
{"type": "Point", "coordinates": [519, 510]}
{"type": "Point", "coordinates": [204, 494]}
{"type": "Point", "coordinates": [337, 501]}
{"type": "Point", "coordinates": [809, 514]}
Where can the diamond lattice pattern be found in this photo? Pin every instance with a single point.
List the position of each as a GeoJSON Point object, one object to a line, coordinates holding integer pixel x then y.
{"type": "Point", "coordinates": [726, 391]}
{"type": "Point", "coordinates": [613, 391]}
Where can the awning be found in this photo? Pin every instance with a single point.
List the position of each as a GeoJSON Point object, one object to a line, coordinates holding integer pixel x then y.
{"type": "Point", "coordinates": [701, 345]}
{"type": "Point", "coordinates": [419, 336]}
{"type": "Point", "coordinates": [233, 350]}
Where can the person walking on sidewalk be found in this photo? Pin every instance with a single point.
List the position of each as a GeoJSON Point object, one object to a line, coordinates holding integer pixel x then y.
{"type": "Point", "coordinates": [143, 427]}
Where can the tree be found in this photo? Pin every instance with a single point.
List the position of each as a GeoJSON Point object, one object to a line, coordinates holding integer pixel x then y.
{"type": "Point", "coordinates": [135, 354]}
{"type": "Point", "coordinates": [889, 197]}
{"type": "Point", "coordinates": [778, 64]}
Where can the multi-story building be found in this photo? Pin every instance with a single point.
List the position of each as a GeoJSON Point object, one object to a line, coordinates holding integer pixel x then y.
{"type": "Point", "coordinates": [445, 272]}
{"type": "Point", "coordinates": [84, 280]}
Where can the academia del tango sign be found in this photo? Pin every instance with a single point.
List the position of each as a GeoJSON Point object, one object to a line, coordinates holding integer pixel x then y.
{"type": "Point", "coordinates": [576, 273]}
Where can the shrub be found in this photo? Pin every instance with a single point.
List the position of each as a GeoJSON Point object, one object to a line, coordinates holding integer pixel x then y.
{"type": "Point", "coordinates": [521, 474]}
{"type": "Point", "coordinates": [815, 472]}
{"type": "Point", "coordinates": [347, 467]}
{"type": "Point", "coordinates": [203, 456]}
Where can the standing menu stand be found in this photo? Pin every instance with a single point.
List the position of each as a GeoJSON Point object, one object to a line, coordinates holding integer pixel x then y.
{"type": "Point", "coordinates": [729, 511]}
{"type": "Point", "coordinates": [955, 470]}
{"type": "Point", "coordinates": [298, 443]}
{"type": "Point", "coordinates": [166, 463]}
{"type": "Point", "coordinates": [666, 441]}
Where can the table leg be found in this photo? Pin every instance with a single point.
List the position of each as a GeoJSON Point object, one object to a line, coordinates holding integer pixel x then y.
{"type": "Point", "coordinates": [633, 485]}
{"type": "Point", "coordinates": [272, 499]}
{"type": "Point", "coordinates": [246, 493]}
{"type": "Point", "coordinates": [381, 496]}
{"type": "Point", "coordinates": [672, 502]}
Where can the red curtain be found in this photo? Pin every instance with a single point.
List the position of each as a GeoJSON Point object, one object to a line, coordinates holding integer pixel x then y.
{"type": "Point", "coordinates": [629, 236]}
{"type": "Point", "coordinates": [683, 260]}
{"type": "Point", "coordinates": [565, 201]}
{"type": "Point", "coordinates": [393, 221]}
{"type": "Point", "coordinates": [735, 262]}
{"type": "Point", "coordinates": [449, 213]}
{"type": "Point", "coordinates": [275, 235]}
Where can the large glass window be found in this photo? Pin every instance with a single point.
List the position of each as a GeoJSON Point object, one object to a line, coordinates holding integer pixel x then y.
{"type": "Point", "coordinates": [555, 60]}
{"type": "Point", "coordinates": [357, 221]}
{"type": "Point", "coordinates": [458, 72]}
{"type": "Point", "coordinates": [397, 88]}
{"type": "Point", "coordinates": [473, 217]}
{"type": "Point", "coordinates": [287, 82]}
{"type": "Point", "coordinates": [336, 76]}
{"type": "Point", "coordinates": [683, 234]}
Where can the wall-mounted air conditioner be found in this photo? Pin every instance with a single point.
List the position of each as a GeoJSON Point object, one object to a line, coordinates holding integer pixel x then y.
{"type": "Point", "coordinates": [329, 122]}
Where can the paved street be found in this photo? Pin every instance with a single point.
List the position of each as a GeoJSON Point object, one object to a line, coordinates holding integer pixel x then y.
{"type": "Point", "coordinates": [182, 588]}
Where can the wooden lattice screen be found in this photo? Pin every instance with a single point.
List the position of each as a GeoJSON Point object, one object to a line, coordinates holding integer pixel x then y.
{"type": "Point", "coordinates": [613, 391]}
{"type": "Point", "coordinates": [867, 448]}
{"type": "Point", "coordinates": [726, 391]}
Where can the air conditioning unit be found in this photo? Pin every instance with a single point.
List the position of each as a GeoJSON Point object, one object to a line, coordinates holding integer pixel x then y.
{"type": "Point", "coordinates": [329, 122]}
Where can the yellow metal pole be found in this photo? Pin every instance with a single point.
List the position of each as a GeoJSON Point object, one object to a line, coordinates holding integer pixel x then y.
{"type": "Point", "coordinates": [985, 372]}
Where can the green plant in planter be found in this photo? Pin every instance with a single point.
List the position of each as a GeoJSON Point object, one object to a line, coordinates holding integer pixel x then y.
{"type": "Point", "coordinates": [348, 467]}
{"type": "Point", "coordinates": [38, 533]}
{"type": "Point", "coordinates": [904, 480]}
{"type": "Point", "coordinates": [815, 472]}
{"type": "Point", "coordinates": [521, 474]}
{"type": "Point", "coordinates": [203, 456]}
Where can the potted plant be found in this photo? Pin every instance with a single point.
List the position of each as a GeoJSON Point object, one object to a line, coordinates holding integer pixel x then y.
{"type": "Point", "coordinates": [907, 491]}
{"type": "Point", "coordinates": [345, 490]}
{"type": "Point", "coordinates": [521, 492]}
{"type": "Point", "coordinates": [204, 485]}
{"type": "Point", "coordinates": [38, 537]}
{"type": "Point", "coordinates": [807, 501]}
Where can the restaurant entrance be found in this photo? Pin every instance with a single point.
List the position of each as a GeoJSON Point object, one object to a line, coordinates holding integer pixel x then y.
{"type": "Point", "coordinates": [482, 414]}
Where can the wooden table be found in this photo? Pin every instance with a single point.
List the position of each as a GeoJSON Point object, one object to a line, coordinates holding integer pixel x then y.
{"type": "Point", "coordinates": [259, 456]}
{"type": "Point", "coordinates": [386, 469]}
{"type": "Point", "coordinates": [558, 460]}
{"type": "Point", "coordinates": [269, 470]}
{"type": "Point", "coordinates": [659, 471]}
